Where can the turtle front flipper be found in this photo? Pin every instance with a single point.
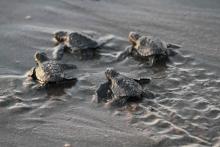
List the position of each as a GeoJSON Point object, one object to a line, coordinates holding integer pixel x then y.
{"type": "Point", "coordinates": [103, 93]}
{"type": "Point", "coordinates": [173, 46]}
{"type": "Point", "coordinates": [31, 73]}
{"type": "Point", "coordinates": [124, 54]}
{"type": "Point", "coordinates": [58, 52]}
{"type": "Point", "coordinates": [143, 81]}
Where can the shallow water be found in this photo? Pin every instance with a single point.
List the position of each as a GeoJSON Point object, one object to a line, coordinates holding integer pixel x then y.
{"type": "Point", "coordinates": [186, 111]}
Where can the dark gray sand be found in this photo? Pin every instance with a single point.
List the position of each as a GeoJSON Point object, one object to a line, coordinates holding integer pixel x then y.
{"type": "Point", "coordinates": [187, 112]}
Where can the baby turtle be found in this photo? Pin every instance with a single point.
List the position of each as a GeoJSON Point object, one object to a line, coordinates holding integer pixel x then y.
{"type": "Point", "coordinates": [119, 89]}
{"type": "Point", "coordinates": [149, 48]}
{"type": "Point", "coordinates": [49, 71]}
{"type": "Point", "coordinates": [77, 43]}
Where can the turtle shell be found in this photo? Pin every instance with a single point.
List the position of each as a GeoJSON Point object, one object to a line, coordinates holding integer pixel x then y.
{"type": "Point", "coordinates": [122, 86]}
{"type": "Point", "coordinates": [148, 46]}
{"type": "Point", "coordinates": [81, 41]}
{"type": "Point", "coordinates": [49, 71]}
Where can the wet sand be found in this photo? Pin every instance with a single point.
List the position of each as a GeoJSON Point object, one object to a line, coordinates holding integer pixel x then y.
{"type": "Point", "coordinates": [187, 112]}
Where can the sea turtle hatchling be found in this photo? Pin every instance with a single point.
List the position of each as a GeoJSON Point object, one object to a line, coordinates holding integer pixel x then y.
{"type": "Point", "coordinates": [77, 43]}
{"type": "Point", "coordinates": [119, 89]}
{"type": "Point", "coordinates": [49, 71]}
{"type": "Point", "coordinates": [152, 49]}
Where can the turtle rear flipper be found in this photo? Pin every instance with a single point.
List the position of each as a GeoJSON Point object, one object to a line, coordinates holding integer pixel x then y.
{"type": "Point", "coordinates": [143, 81]}
{"type": "Point", "coordinates": [148, 95]}
{"type": "Point", "coordinates": [171, 52]}
{"type": "Point", "coordinates": [66, 66]}
{"type": "Point", "coordinates": [173, 46]}
{"type": "Point", "coordinates": [66, 82]}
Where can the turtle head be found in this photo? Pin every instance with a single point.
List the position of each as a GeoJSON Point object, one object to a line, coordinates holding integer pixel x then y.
{"type": "Point", "coordinates": [40, 57]}
{"type": "Point", "coordinates": [133, 37]}
{"type": "Point", "coordinates": [60, 36]}
{"type": "Point", "coordinates": [110, 73]}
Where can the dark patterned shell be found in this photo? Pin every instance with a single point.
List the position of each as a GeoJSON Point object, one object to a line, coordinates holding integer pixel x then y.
{"type": "Point", "coordinates": [123, 86]}
{"type": "Point", "coordinates": [80, 41]}
{"type": "Point", "coordinates": [49, 71]}
{"type": "Point", "coordinates": [148, 46]}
